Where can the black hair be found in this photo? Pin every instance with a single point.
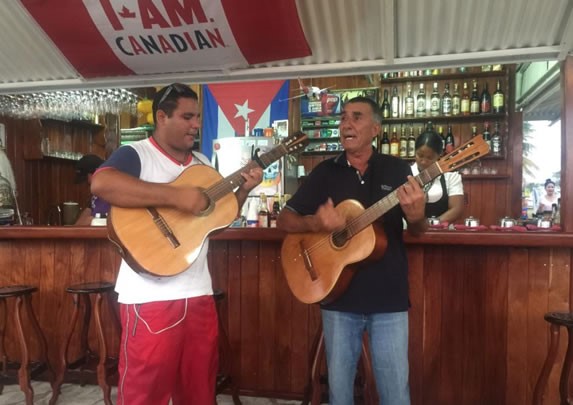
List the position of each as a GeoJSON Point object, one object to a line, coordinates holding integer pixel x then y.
{"type": "Point", "coordinates": [166, 98]}
{"type": "Point", "coordinates": [376, 114]}
{"type": "Point", "coordinates": [432, 140]}
{"type": "Point", "coordinates": [548, 182]}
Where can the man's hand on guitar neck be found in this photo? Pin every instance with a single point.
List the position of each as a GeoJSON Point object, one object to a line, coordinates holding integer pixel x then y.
{"type": "Point", "coordinates": [413, 202]}
{"type": "Point", "coordinates": [253, 177]}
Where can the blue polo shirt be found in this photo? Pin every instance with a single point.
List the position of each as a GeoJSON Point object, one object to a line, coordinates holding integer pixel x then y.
{"type": "Point", "coordinates": [380, 286]}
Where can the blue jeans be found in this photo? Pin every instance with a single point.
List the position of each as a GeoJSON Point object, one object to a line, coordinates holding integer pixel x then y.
{"type": "Point", "coordinates": [388, 339]}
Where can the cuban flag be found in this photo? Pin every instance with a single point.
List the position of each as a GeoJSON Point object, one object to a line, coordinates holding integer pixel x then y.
{"type": "Point", "coordinates": [231, 109]}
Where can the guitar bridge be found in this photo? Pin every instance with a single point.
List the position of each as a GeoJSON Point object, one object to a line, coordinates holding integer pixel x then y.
{"type": "Point", "coordinates": [163, 227]}
{"type": "Point", "coordinates": [308, 263]}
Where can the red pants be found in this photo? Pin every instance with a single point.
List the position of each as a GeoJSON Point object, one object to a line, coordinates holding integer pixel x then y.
{"type": "Point", "coordinates": [177, 360]}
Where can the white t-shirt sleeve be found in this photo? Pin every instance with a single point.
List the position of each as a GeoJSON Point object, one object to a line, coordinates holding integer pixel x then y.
{"type": "Point", "coordinates": [454, 183]}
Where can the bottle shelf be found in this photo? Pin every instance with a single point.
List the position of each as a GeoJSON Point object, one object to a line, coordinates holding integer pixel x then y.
{"type": "Point", "coordinates": [446, 76]}
{"type": "Point", "coordinates": [438, 119]}
{"type": "Point", "coordinates": [484, 176]}
{"type": "Point", "coordinates": [322, 152]}
{"type": "Point", "coordinates": [76, 123]}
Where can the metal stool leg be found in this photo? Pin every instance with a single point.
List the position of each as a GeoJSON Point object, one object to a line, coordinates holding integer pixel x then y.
{"type": "Point", "coordinates": [3, 356]}
{"type": "Point", "coordinates": [101, 367]}
{"type": "Point", "coordinates": [564, 390]}
{"type": "Point", "coordinates": [23, 374]}
{"type": "Point", "coordinates": [61, 371]}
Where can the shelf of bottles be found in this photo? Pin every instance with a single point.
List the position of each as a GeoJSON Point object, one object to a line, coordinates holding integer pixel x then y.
{"type": "Point", "coordinates": [458, 103]}
{"type": "Point", "coordinates": [323, 135]}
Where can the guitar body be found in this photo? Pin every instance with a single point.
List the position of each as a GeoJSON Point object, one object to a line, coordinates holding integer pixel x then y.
{"type": "Point", "coordinates": [128, 227]}
{"type": "Point", "coordinates": [317, 269]}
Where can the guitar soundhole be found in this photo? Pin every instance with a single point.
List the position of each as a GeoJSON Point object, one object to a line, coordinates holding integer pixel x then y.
{"type": "Point", "coordinates": [339, 238]}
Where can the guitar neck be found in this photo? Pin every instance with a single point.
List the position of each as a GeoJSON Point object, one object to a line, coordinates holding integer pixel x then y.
{"type": "Point", "coordinates": [384, 205]}
{"type": "Point", "coordinates": [234, 180]}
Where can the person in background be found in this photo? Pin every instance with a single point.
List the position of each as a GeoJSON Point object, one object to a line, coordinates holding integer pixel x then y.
{"type": "Point", "coordinates": [376, 300]}
{"type": "Point", "coordinates": [169, 341]}
{"type": "Point", "coordinates": [85, 168]}
{"type": "Point", "coordinates": [445, 194]}
{"type": "Point", "coordinates": [546, 202]}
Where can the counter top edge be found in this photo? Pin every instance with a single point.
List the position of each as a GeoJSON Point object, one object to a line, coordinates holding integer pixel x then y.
{"type": "Point", "coordinates": [556, 239]}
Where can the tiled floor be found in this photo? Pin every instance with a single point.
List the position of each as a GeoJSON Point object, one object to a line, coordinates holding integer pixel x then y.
{"type": "Point", "coordinates": [91, 395]}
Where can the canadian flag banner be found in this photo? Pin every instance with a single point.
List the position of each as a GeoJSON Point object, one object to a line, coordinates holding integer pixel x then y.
{"type": "Point", "coordinates": [130, 37]}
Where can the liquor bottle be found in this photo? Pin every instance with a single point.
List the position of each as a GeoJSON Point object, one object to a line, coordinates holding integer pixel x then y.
{"type": "Point", "coordinates": [385, 146]}
{"type": "Point", "coordinates": [411, 150]}
{"type": "Point", "coordinates": [403, 144]}
{"type": "Point", "coordinates": [394, 143]}
{"type": "Point", "coordinates": [274, 213]}
{"type": "Point", "coordinates": [435, 101]}
{"type": "Point", "coordinates": [395, 103]}
{"type": "Point", "coordinates": [456, 101]}
{"type": "Point", "coordinates": [474, 130]}
{"type": "Point", "coordinates": [385, 105]}
{"type": "Point", "coordinates": [409, 108]}
{"type": "Point", "coordinates": [474, 100]}
{"type": "Point", "coordinates": [465, 103]}
{"type": "Point", "coordinates": [447, 101]}
{"type": "Point", "coordinates": [498, 99]}
{"type": "Point", "coordinates": [485, 100]}
{"type": "Point", "coordinates": [421, 102]}
{"type": "Point", "coordinates": [496, 145]}
{"type": "Point", "coordinates": [486, 134]}
{"type": "Point", "coordinates": [263, 215]}
{"type": "Point", "coordinates": [441, 133]}
{"type": "Point", "coordinates": [449, 142]}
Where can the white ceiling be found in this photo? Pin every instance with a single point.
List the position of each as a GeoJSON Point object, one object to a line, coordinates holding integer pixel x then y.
{"type": "Point", "coordinates": [346, 38]}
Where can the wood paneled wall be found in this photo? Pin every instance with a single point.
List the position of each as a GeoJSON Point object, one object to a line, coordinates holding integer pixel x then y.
{"type": "Point", "coordinates": [477, 334]}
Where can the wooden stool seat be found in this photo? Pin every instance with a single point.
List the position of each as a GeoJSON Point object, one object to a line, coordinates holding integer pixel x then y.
{"type": "Point", "coordinates": [364, 378]}
{"type": "Point", "coordinates": [16, 290]}
{"type": "Point", "coordinates": [97, 287]}
{"type": "Point", "coordinates": [27, 369]}
{"type": "Point", "coordinates": [556, 321]}
{"type": "Point", "coordinates": [224, 376]}
{"type": "Point", "coordinates": [99, 361]}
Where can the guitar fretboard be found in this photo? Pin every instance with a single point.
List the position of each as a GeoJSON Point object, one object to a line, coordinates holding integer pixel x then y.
{"type": "Point", "coordinates": [234, 180]}
{"type": "Point", "coordinates": [384, 205]}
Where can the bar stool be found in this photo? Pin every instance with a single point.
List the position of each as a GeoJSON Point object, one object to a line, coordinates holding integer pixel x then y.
{"type": "Point", "coordinates": [224, 377]}
{"type": "Point", "coordinates": [27, 369]}
{"type": "Point", "coordinates": [106, 365]}
{"type": "Point", "coordinates": [556, 320]}
{"type": "Point", "coordinates": [364, 377]}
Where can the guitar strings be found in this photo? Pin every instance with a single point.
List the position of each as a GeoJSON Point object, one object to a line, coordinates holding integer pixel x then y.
{"type": "Point", "coordinates": [355, 224]}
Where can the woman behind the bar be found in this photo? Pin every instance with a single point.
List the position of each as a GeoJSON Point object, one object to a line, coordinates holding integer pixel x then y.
{"type": "Point", "coordinates": [546, 202]}
{"type": "Point", "coordinates": [445, 194]}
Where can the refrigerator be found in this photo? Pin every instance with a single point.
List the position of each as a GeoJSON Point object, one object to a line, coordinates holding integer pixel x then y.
{"type": "Point", "coordinates": [233, 153]}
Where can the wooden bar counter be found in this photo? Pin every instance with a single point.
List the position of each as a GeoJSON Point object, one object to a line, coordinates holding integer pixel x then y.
{"type": "Point", "coordinates": [477, 334]}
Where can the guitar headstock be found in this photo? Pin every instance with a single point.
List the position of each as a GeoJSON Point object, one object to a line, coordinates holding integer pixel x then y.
{"type": "Point", "coordinates": [473, 149]}
{"type": "Point", "coordinates": [295, 142]}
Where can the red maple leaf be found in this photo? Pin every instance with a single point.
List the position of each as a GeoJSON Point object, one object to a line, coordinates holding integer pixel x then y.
{"type": "Point", "coordinates": [126, 13]}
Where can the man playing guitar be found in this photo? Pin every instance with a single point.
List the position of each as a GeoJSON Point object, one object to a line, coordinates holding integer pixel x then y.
{"type": "Point", "coordinates": [376, 299]}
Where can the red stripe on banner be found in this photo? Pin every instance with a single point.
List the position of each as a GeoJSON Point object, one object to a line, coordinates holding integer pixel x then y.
{"type": "Point", "coordinates": [267, 30]}
{"type": "Point", "coordinates": [72, 30]}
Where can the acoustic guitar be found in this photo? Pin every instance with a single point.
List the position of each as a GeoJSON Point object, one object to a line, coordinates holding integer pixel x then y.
{"type": "Point", "coordinates": [165, 241]}
{"type": "Point", "coordinates": [319, 266]}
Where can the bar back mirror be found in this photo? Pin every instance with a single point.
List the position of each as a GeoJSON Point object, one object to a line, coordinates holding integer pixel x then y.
{"type": "Point", "coordinates": [538, 96]}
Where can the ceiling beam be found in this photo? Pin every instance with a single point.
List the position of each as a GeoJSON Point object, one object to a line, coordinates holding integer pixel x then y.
{"type": "Point", "coordinates": [293, 71]}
